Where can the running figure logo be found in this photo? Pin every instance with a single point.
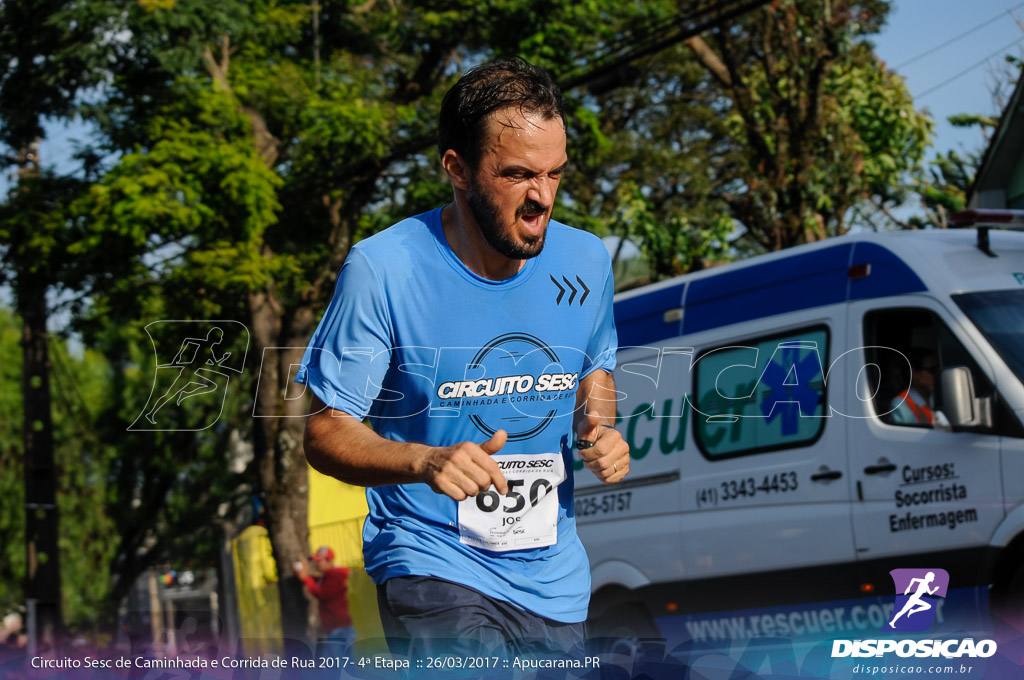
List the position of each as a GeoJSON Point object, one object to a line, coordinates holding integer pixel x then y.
{"type": "Point", "coordinates": [199, 365]}
{"type": "Point", "coordinates": [914, 610]}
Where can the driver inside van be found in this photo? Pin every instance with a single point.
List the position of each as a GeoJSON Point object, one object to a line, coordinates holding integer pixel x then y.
{"type": "Point", "coordinates": [915, 405]}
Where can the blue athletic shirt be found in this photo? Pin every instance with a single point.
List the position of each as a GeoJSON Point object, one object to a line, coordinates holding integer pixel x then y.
{"type": "Point", "coordinates": [433, 353]}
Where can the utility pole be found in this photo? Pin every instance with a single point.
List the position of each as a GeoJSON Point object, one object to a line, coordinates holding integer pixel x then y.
{"type": "Point", "coordinates": [42, 574]}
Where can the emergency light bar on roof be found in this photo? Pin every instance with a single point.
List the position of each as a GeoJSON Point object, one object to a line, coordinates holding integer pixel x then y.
{"type": "Point", "coordinates": [983, 220]}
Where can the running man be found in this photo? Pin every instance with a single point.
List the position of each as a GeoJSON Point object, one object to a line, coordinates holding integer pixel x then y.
{"type": "Point", "coordinates": [449, 332]}
{"type": "Point", "coordinates": [195, 383]}
{"type": "Point", "coordinates": [915, 604]}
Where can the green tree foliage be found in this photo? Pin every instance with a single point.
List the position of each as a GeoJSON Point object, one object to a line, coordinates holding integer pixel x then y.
{"type": "Point", "coordinates": [87, 539]}
{"type": "Point", "coordinates": [160, 494]}
{"type": "Point", "coordinates": [815, 122]}
{"type": "Point", "coordinates": [943, 186]}
{"type": "Point", "coordinates": [171, 490]}
{"type": "Point", "coordinates": [12, 478]}
{"type": "Point", "coordinates": [32, 227]}
{"type": "Point", "coordinates": [49, 51]}
{"type": "Point", "coordinates": [770, 129]}
{"type": "Point", "coordinates": [643, 172]}
{"type": "Point", "coordinates": [943, 189]}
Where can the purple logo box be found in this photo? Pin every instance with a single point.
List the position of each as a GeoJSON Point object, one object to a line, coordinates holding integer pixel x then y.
{"type": "Point", "coordinates": [916, 592]}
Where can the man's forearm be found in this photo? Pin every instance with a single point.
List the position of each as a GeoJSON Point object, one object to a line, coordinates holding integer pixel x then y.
{"type": "Point", "coordinates": [600, 445]}
{"type": "Point", "coordinates": [340, 446]}
{"type": "Point", "coordinates": [596, 393]}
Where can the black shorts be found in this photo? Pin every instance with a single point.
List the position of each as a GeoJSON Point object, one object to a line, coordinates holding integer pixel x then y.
{"type": "Point", "coordinates": [425, 617]}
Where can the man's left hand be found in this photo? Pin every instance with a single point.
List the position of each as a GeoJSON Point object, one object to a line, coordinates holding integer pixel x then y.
{"type": "Point", "coordinates": [608, 457]}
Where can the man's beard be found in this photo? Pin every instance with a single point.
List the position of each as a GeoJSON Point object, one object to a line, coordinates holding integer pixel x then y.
{"type": "Point", "coordinates": [502, 239]}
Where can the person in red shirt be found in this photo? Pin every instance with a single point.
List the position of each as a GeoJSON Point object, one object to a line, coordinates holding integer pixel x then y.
{"type": "Point", "coordinates": [331, 591]}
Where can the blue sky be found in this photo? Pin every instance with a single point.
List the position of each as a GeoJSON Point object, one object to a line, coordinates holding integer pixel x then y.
{"type": "Point", "coordinates": [917, 26]}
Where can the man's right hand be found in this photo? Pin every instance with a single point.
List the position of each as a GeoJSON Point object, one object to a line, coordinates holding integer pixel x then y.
{"type": "Point", "coordinates": [340, 446]}
{"type": "Point", "coordinates": [465, 469]}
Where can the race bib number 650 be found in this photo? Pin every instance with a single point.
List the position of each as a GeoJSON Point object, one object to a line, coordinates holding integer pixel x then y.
{"type": "Point", "coordinates": [526, 517]}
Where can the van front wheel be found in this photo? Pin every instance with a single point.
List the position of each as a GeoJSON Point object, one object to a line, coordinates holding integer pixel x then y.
{"type": "Point", "coordinates": [1008, 599]}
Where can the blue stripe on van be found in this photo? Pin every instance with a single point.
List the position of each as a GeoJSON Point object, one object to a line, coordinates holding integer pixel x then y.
{"type": "Point", "coordinates": [889, 274]}
{"type": "Point", "coordinates": [786, 285]}
{"type": "Point", "coordinates": [640, 320]}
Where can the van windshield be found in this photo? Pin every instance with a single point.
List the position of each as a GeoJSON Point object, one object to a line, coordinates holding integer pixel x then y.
{"type": "Point", "coordinates": [999, 315]}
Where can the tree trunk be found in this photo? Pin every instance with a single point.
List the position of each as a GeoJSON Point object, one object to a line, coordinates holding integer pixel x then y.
{"type": "Point", "coordinates": [282, 464]}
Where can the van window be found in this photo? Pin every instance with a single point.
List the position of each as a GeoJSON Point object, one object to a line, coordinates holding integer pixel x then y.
{"type": "Point", "coordinates": [910, 347]}
{"type": "Point", "coordinates": [999, 315]}
{"type": "Point", "coordinates": [761, 395]}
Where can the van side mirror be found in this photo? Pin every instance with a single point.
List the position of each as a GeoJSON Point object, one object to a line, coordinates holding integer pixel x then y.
{"type": "Point", "coordinates": [960, 405]}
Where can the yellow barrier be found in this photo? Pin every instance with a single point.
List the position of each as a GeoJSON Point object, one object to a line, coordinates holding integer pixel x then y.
{"type": "Point", "coordinates": [336, 515]}
{"type": "Point", "coordinates": [345, 538]}
{"type": "Point", "coordinates": [259, 605]}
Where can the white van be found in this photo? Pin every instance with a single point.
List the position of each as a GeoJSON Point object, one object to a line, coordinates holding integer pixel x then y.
{"type": "Point", "coordinates": [774, 458]}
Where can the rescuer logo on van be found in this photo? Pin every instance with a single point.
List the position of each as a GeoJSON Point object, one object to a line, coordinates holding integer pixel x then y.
{"type": "Point", "coordinates": [914, 611]}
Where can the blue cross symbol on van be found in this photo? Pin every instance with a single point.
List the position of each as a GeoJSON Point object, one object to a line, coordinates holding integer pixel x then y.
{"type": "Point", "coordinates": [790, 394]}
